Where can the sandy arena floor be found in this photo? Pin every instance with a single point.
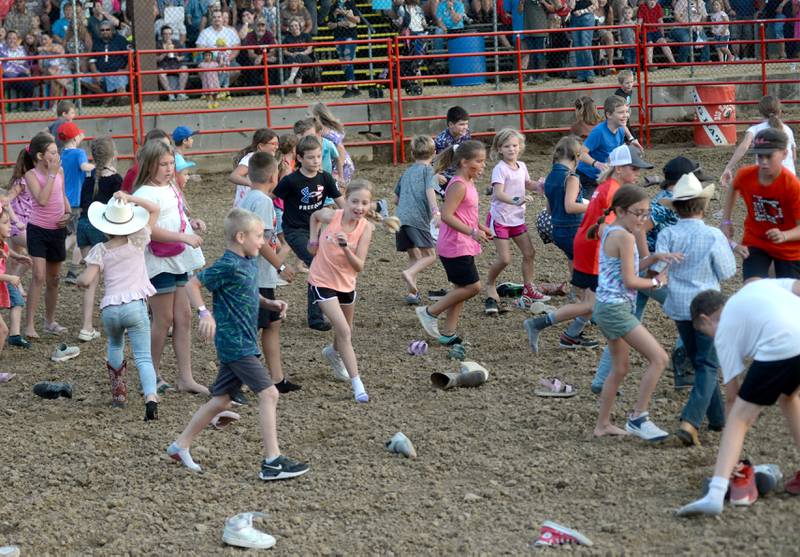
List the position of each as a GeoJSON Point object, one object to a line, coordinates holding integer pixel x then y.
{"type": "Point", "coordinates": [79, 478]}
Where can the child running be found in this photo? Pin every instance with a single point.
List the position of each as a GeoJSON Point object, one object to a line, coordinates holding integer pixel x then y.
{"type": "Point", "coordinates": [264, 140]}
{"type": "Point", "coordinates": [415, 196]}
{"type": "Point", "coordinates": [506, 218]}
{"type": "Point", "coordinates": [21, 203]}
{"type": "Point", "coordinates": [460, 238]}
{"type": "Point", "coordinates": [46, 230]}
{"type": "Point", "coordinates": [333, 130]}
{"type": "Point", "coordinates": [233, 282]}
{"type": "Point", "coordinates": [340, 252]}
{"type": "Point", "coordinates": [174, 252]}
{"type": "Point", "coordinates": [10, 296]}
{"type": "Point", "coordinates": [123, 308]}
{"type": "Point", "coordinates": [613, 312]}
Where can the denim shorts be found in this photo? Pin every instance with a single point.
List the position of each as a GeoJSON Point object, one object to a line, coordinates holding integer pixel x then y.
{"type": "Point", "coordinates": [164, 283]}
{"type": "Point", "coordinates": [564, 239]}
{"type": "Point", "coordinates": [278, 220]}
{"type": "Point", "coordinates": [88, 235]}
{"type": "Point", "coordinates": [15, 297]}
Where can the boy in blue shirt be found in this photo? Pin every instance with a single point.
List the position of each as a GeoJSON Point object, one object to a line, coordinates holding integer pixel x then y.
{"type": "Point", "coordinates": [75, 164]}
{"type": "Point", "coordinates": [233, 281]}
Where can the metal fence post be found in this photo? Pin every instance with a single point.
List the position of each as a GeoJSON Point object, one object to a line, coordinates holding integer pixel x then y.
{"type": "Point", "coordinates": [3, 115]}
{"type": "Point", "coordinates": [762, 35]}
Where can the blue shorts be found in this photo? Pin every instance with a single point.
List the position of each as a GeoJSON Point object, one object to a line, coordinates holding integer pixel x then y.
{"type": "Point", "coordinates": [654, 36]}
{"type": "Point", "coordinates": [88, 235]}
{"type": "Point", "coordinates": [17, 301]}
{"type": "Point", "coordinates": [564, 238]}
{"type": "Point", "coordinates": [278, 220]}
{"type": "Point", "coordinates": [165, 283]}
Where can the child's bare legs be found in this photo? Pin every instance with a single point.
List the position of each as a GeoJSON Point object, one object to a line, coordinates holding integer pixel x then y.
{"type": "Point", "coordinates": [20, 245]}
{"type": "Point", "coordinates": [52, 280]}
{"type": "Point", "coordinates": [667, 51]}
{"type": "Point", "coordinates": [38, 268]}
{"type": "Point", "coordinates": [3, 334]}
{"type": "Point", "coordinates": [203, 417]}
{"type": "Point", "coordinates": [620, 367]}
{"type": "Point", "coordinates": [271, 346]}
{"type": "Point", "coordinates": [643, 342]}
{"type": "Point", "coordinates": [525, 245]}
{"type": "Point", "coordinates": [341, 318]}
{"type": "Point", "coordinates": [88, 298]}
{"type": "Point", "coordinates": [453, 303]}
{"type": "Point", "coordinates": [503, 259]}
{"type": "Point", "coordinates": [268, 420]}
{"type": "Point", "coordinates": [419, 260]}
{"type": "Point", "coordinates": [15, 321]}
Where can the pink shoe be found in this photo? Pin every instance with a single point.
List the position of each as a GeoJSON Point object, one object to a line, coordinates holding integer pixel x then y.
{"type": "Point", "coordinates": [553, 534]}
{"type": "Point", "coordinates": [6, 377]}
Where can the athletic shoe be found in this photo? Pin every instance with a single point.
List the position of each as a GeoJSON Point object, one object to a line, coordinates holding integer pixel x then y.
{"type": "Point", "coordinates": [643, 428]}
{"type": "Point", "coordinates": [337, 365]}
{"type": "Point", "coordinates": [509, 290]}
{"type": "Point", "coordinates": [566, 341]}
{"type": "Point", "coordinates": [687, 434]}
{"type": "Point", "coordinates": [9, 551]}
{"type": "Point", "coordinates": [792, 487]}
{"type": "Point", "coordinates": [19, 340]}
{"type": "Point", "coordinates": [183, 456]}
{"type": "Point", "coordinates": [182, 97]}
{"type": "Point", "coordinates": [238, 399]}
{"type": "Point", "coordinates": [62, 353]}
{"type": "Point", "coordinates": [490, 307]}
{"type": "Point", "coordinates": [413, 299]}
{"type": "Point", "coordinates": [428, 321]}
{"type": "Point", "coordinates": [281, 282]}
{"type": "Point", "coordinates": [533, 295]}
{"type": "Point", "coordinates": [553, 534]}
{"type": "Point", "coordinates": [239, 532]}
{"type": "Point", "coordinates": [282, 468]}
{"type": "Point", "coordinates": [534, 326]}
{"type": "Point", "coordinates": [450, 340]}
{"type": "Point", "coordinates": [88, 336]}
{"type": "Point", "coordinates": [768, 477]}
{"type": "Point", "coordinates": [287, 386]}
{"type": "Point", "coordinates": [50, 390]}
{"type": "Point", "coordinates": [320, 326]}
{"type": "Point", "coordinates": [434, 295]}
{"type": "Point", "coordinates": [71, 278]}
{"type": "Point", "coordinates": [743, 485]}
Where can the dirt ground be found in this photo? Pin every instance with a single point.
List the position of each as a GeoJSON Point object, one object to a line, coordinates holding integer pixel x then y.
{"type": "Point", "coordinates": [80, 478]}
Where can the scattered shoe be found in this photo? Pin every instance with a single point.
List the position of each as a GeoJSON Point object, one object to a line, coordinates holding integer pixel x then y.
{"type": "Point", "coordinates": [71, 278]}
{"type": "Point", "coordinates": [238, 399]}
{"type": "Point", "coordinates": [743, 485]}
{"type": "Point", "coordinates": [566, 341]}
{"type": "Point", "coordinates": [792, 487]}
{"type": "Point", "coordinates": [287, 386]}
{"type": "Point", "coordinates": [282, 468]}
{"type": "Point", "coordinates": [383, 208]}
{"type": "Point", "coordinates": [88, 336]}
{"type": "Point", "coordinates": [509, 290]}
{"type": "Point", "coordinates": [428, 321]}
{"type": "Point", "coordinates": [337, 365]}
{"type": "Point", "coordinates": [450, 340]}
{"type": "Point", "coordinates": [19, 340]}
{"type": "Point", "coordinates": [62, 353]}
{"type": "Point", "coordinates": [768, 478]}
{"type": "Point", "coordinates": [553, 534]}
{"type": "Point", "coordinates": [434, 295]}
{"type": "Point", "coordinates": [9, 551]}
{"type": "Point", "coordinates": [643, 428]}
{"type": "Point", "coordinates": [54, 328]}
{"type": "Point", "coordinates": [532, 295]}
{"type": "Point", "coordinates": [224, 418]}
{"type": "Point", "coordinates": [490, 307]}
{"type": "Point", "coordinates": [6, 377]}
{"type": "Point", "coordinates": [687, 434]}
{"type": "Point", "coordinates": [413, 299]}
{"type": "Point", "coordinates": [183, 456]}
{"type": "Point", "coordinates": [239, 532]}
{"type": "Point", "coordinates": [52, 391]}
{"type": "Point", "coordinates": [400, 444]}
{"type": "Point", "coordinates": [150, 411]}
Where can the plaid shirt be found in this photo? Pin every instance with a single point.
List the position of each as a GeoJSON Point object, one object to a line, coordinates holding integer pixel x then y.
{"type": "Point", "coordinates": [707, 261]}
{"type": "Point", "coordinates": [442, 142]}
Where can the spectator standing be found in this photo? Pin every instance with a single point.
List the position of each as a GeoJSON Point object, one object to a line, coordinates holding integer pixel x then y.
{"type": "Point", "coordinates": [482, 10]}
{"type": "Point", "coordinates": [627, 35]}
{"type": "Point", "coordinates": [604, 15]}
{"type": "Point", "coordinates": [215, 36]}
{"type": "Point", "coordinates": [777, 10]}
{"type": "Point", "coordinates": [582, 16]}
{"type": "Point", "coordinates": [110, 41]}
{"type": "Point", "coordinates": [721, 32]}
{"type": "Point", "coordinates": [690, 11]}
{"type": "Point", "coordinates": [16, 66]}
{"type": "Point", "coordinates": [59, 26]}
{"type": "Point", "coordinates": [742, 10]}
{"type": "Point", "coordinates": [293, 9]}
{"type": "Point", "coordinates": [19, 19]}
{"type": "Point", "coordinates": [343, 20]}
{"type": "Point", "coordinates": [196, 19]}
{"type": "Point", "coordinates": [535, 18]}
{"type": "Point", "coordinates": [171, 61]}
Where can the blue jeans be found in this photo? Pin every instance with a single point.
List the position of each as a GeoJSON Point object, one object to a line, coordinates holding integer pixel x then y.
{"type": "Point", "coordinates": [347, 51]}
{"type": "Point", "coordinates": [705, 398]}
{"type": "Point", "coordinates": [777, 27]}
{"type": "Point", "coordinates": [682, 35]}
{"type": "Point", "coordinates": [297, 238]}
{"type": "Point", "coordinates": [536, 42]}
{"type": "Point", "coordinates": [131, 317]}
{"type": "Point", "coordinates": [604, 367]}
{"type": "Point", "coordinates": [580, 39]}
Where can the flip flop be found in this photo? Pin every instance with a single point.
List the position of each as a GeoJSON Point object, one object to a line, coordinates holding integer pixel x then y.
{"type": "Point", "coordinates": [54, 328]}
{"type": "Point", "coordinates": [555, 388]}
{"type": "Point", "coordinates": [224, 418]}
{"type": "Point", "coordinates": [6, 377]}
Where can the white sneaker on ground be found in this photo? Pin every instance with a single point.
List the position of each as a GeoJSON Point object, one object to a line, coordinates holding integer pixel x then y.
{"type": "Point", "coordinates": [337, 365]}
{"type": "Point", "coordinates": [239, 532]}
{"type": "Point", "coordinates": [88, 336]}
{"type": "Point", "coordinates": [428, 321]}
{"type": "Point", "coordinates": [62, 353]}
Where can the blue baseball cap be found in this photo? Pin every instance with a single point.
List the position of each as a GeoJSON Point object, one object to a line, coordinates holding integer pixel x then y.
{"type": "Point", "coordinates": [182, 133]}
{"type": "Point", "coordinates": [181, 163]}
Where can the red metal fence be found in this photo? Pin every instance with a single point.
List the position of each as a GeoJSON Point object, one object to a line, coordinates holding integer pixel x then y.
{"type": "Point", "coordinates": [406, 83]}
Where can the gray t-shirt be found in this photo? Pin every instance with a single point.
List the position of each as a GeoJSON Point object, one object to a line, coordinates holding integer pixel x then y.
{"type": "Point", "coordinates": [259, 203]}
{"type": "Point", "coordinates": [413, 209]}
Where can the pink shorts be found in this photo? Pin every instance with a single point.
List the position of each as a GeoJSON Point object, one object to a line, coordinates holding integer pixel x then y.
{"type": "Point", "coordinates": [503, 231]}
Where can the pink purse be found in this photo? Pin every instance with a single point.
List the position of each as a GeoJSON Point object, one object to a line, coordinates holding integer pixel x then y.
{"type": "Point", "coordinates": [170, 249]}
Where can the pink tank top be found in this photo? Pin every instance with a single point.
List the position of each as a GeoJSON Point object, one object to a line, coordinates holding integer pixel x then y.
{"type": "Point", "coordinates": [330, 267]}
{"type": "Point", "coordinates": [46, 216]}
{"type": "Point", "coordinates": [453, 243]}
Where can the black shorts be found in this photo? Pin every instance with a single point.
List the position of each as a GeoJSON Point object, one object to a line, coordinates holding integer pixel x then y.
{"type": "Point", "coordinates": [232, 375]}
{"type": "Point", "coordinates": [584, 280]}
{"type": "Point", "coordinates": [49, 244]}
{"type": "Point", "coordinates": [267, 316]}
{"type": "Point", "coordinates": [766, 381]}
{"type": "Point", "coordinates": [588, 185]}
{"type": "Point", "coordinates": [409, 237]}
{"type": "Point", "coordinates": [461, 271]}
{"type": "Point", "coordinates": [758, 263]}
{"type": "Point", "coordinates": [322, 294]}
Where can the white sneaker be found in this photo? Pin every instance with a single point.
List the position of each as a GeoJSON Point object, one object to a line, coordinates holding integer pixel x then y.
{"type": "Point", "coordinates": [184, 457]}
{"type": "Point", "coordinates": [62, 353]}
{"type": "Point", "coordinates": [428, 321]}
{"type": "Point", "coordinates": [9, 551]}
{"type": "Point", "coordinates": [339, 371]}
{"type": "Point", "coordinates": [88, 336]}
{"type": "Point", "coordinates": [171, 97]}
{"type": "Point", "coordinates": [643, 428]}
{"type": "Point", "coordinates": [182, 97]}
{"type": "Point", "coordinates": [239, 532]}
{"type": "Point", "coordinates": [281, 282]}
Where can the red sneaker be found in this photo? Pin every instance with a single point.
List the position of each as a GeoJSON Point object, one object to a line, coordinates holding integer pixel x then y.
{"type": "Point", "coordinates": [530, 294]}
{"type": "Point", "coordinates": [743, 485]}
{"type": "Point", "coordinates": [793, 486]}
{"type": "Point", "coordinates": [553, 534]}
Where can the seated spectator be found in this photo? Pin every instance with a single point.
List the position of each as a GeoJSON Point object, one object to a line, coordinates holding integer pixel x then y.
{"type": "Point", "coordinates": [293, 9]}
{"type": "Point", "coordinates": [55, 66]}
{"type": "Point", "coordinates": [60, 26]}
{"type": "Point", "coordinates": [217, 35]}
{"type": "Point", "coordinates": [482, 10]}
{"type": "Point", "coordinates": [255, 57]}
{"type": "Point", "coordinates": [51, 12]}
{"type": "Point", "coordinates": [20, 19]}
{"type": "Point", "coordinates": [343, 20]}
{"type": "Point", "coordinates": [696, 12]}
{"type": "Point", "coordinates": [171, 60]}
{"type": "Point", "coordinates": [110, 41]}
{"type": "Point", "coordinates": [450, 16]}
{"type": "Point", "coordinates": [604, 15]}
{"type": "Point", "coordinates": [651, 12]}
{"type": "Point", "coordinates": [36, 28]}
{"type": "Point", "coordinates": [84, 44]}
{"type": "Point", "coordinates": [16, 66]}
{"type": "Point", "coordinates": [303, 54]}
{"type": "Point", "coordinates": [246, 24]}
{"type": "Point", "coordinates": [99, 15]}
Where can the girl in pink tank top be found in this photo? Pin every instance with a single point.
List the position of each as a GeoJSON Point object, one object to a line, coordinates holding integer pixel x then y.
{"type": "Point", "coordinates": [46, 230]}
{"type": "Point", "coordinates": [460, 237]}
{"type": "Point", "coordinates": [340, 251]}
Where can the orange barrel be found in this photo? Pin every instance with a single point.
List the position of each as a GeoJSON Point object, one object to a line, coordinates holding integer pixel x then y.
{"type": "Point", "coordinates": [712, 108]}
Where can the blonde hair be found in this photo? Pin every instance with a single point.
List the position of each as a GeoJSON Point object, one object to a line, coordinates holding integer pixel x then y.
{"type": "Point", "coordinates": [323, 114]}
{"type": "Point", "coordinates": [623, 75]}
{"type": "Point", "coordinates": [567, 148]}
{"type": "Point", "coordinates": [240, 220]}
{"type": "Point", "coordinates": [500, 139]}
{"type": "Point", "coordinates": [359, 184]}
{"type": "Point", "coordinates": [422, 147]}
{"type": "Point", "coordinates": [148, 158]}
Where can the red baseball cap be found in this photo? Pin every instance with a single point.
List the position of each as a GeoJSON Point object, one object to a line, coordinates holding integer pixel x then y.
{"type": "Point", "coordinates": [68, 130]}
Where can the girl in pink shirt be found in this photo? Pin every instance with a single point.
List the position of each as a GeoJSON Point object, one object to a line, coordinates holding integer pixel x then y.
{"type": "Point", "coordinates": [46, 229]}
{"type": "Point", "coordinates": [460, 238]}
{"type": "Point", "coordinates": [127, 288]}
{"type": "Point", "coordinates": [340, 251]}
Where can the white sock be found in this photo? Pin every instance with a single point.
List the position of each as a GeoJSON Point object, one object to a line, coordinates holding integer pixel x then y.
{"type": "Point", "coordinates": [358, 389]}
{"type": "Point", "coordinates": [711, 503]}
{"type": "Point", "coordinates": [184, 456]}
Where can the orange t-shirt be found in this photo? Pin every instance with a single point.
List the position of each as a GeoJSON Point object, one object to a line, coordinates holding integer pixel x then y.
{"type": "Point", "coordinates": [330, 268]}
{"type": "Point", "coordinates": [774, 206]}
{"type": "Point", "coordinates": [586, 251]}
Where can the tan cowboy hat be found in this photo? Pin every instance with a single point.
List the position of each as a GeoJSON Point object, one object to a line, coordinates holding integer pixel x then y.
{"type": "Point", "coordinates": [688, 187]}
{"type": "Point", "coordinates": [117, 218]}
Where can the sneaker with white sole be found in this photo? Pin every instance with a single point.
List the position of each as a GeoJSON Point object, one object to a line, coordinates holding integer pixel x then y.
{"type": "Point", "coordinates": [643, 428]}
{"type": "Point", "coordinates": [183, 456]}
{"type": "Point", "coordinates": [239, 532]}
{"type": "Point", "coordinates": [282, 468]}
{"type": "Point", "coordinates": [281, 282]}
{"type": "Point", "coordinates": [62, 353]}
{"type": "Point", "coordinates": [335, 359]}
{"type": "Point", "coordinates": [88, 336]}
{"type": "Point", "coordinates": [428, 321]}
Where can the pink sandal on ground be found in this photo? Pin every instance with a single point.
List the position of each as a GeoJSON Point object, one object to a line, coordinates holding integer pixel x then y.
{"type": "Point", "coordinates": [54, 328]}
{"type": "Point", "coordinates": [555, 388]}
{"type": "Point", "coordinates": [6, 377]}
{"type": "Point", "coordinates": [224, 418]}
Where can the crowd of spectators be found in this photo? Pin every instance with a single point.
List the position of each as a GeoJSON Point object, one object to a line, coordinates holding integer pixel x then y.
{"type": "Point", "coordinates": [100, 27]}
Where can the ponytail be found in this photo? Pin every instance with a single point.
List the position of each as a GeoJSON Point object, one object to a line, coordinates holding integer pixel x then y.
{"type": "Point", "coordinates": [453, 155]}
{"type": "Point", "coordinates": [261, 135]}
{"type": "Point", "coordinates": [770, 108]}
{"type": "Point", "coordinates": [593, 233]}
{"type": "Point", "coordinates": [23, 164]}
{"type": "Point", "coordinates": [605, 174]}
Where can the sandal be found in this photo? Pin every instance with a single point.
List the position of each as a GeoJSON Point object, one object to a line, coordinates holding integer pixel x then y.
{"type": "Point", "coordinates": [555, 388]}
{"type": "Point", "coordinates": [224, 418]}
{"type": "Point", "coordinates": [6, 377]}
{"type": "Point", "coordinates": [54, 328]}
{"type": "Point", "coordinates": [164, 387]}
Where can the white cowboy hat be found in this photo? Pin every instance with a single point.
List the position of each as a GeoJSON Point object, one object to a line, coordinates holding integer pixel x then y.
{"type": "Point", "coordinates": [688, 187]}
{"type": "Point", "coordinates": [117, 218]}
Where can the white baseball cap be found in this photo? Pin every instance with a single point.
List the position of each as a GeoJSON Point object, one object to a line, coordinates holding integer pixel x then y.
{"type": "Point", "coordinates": [624, 156]}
